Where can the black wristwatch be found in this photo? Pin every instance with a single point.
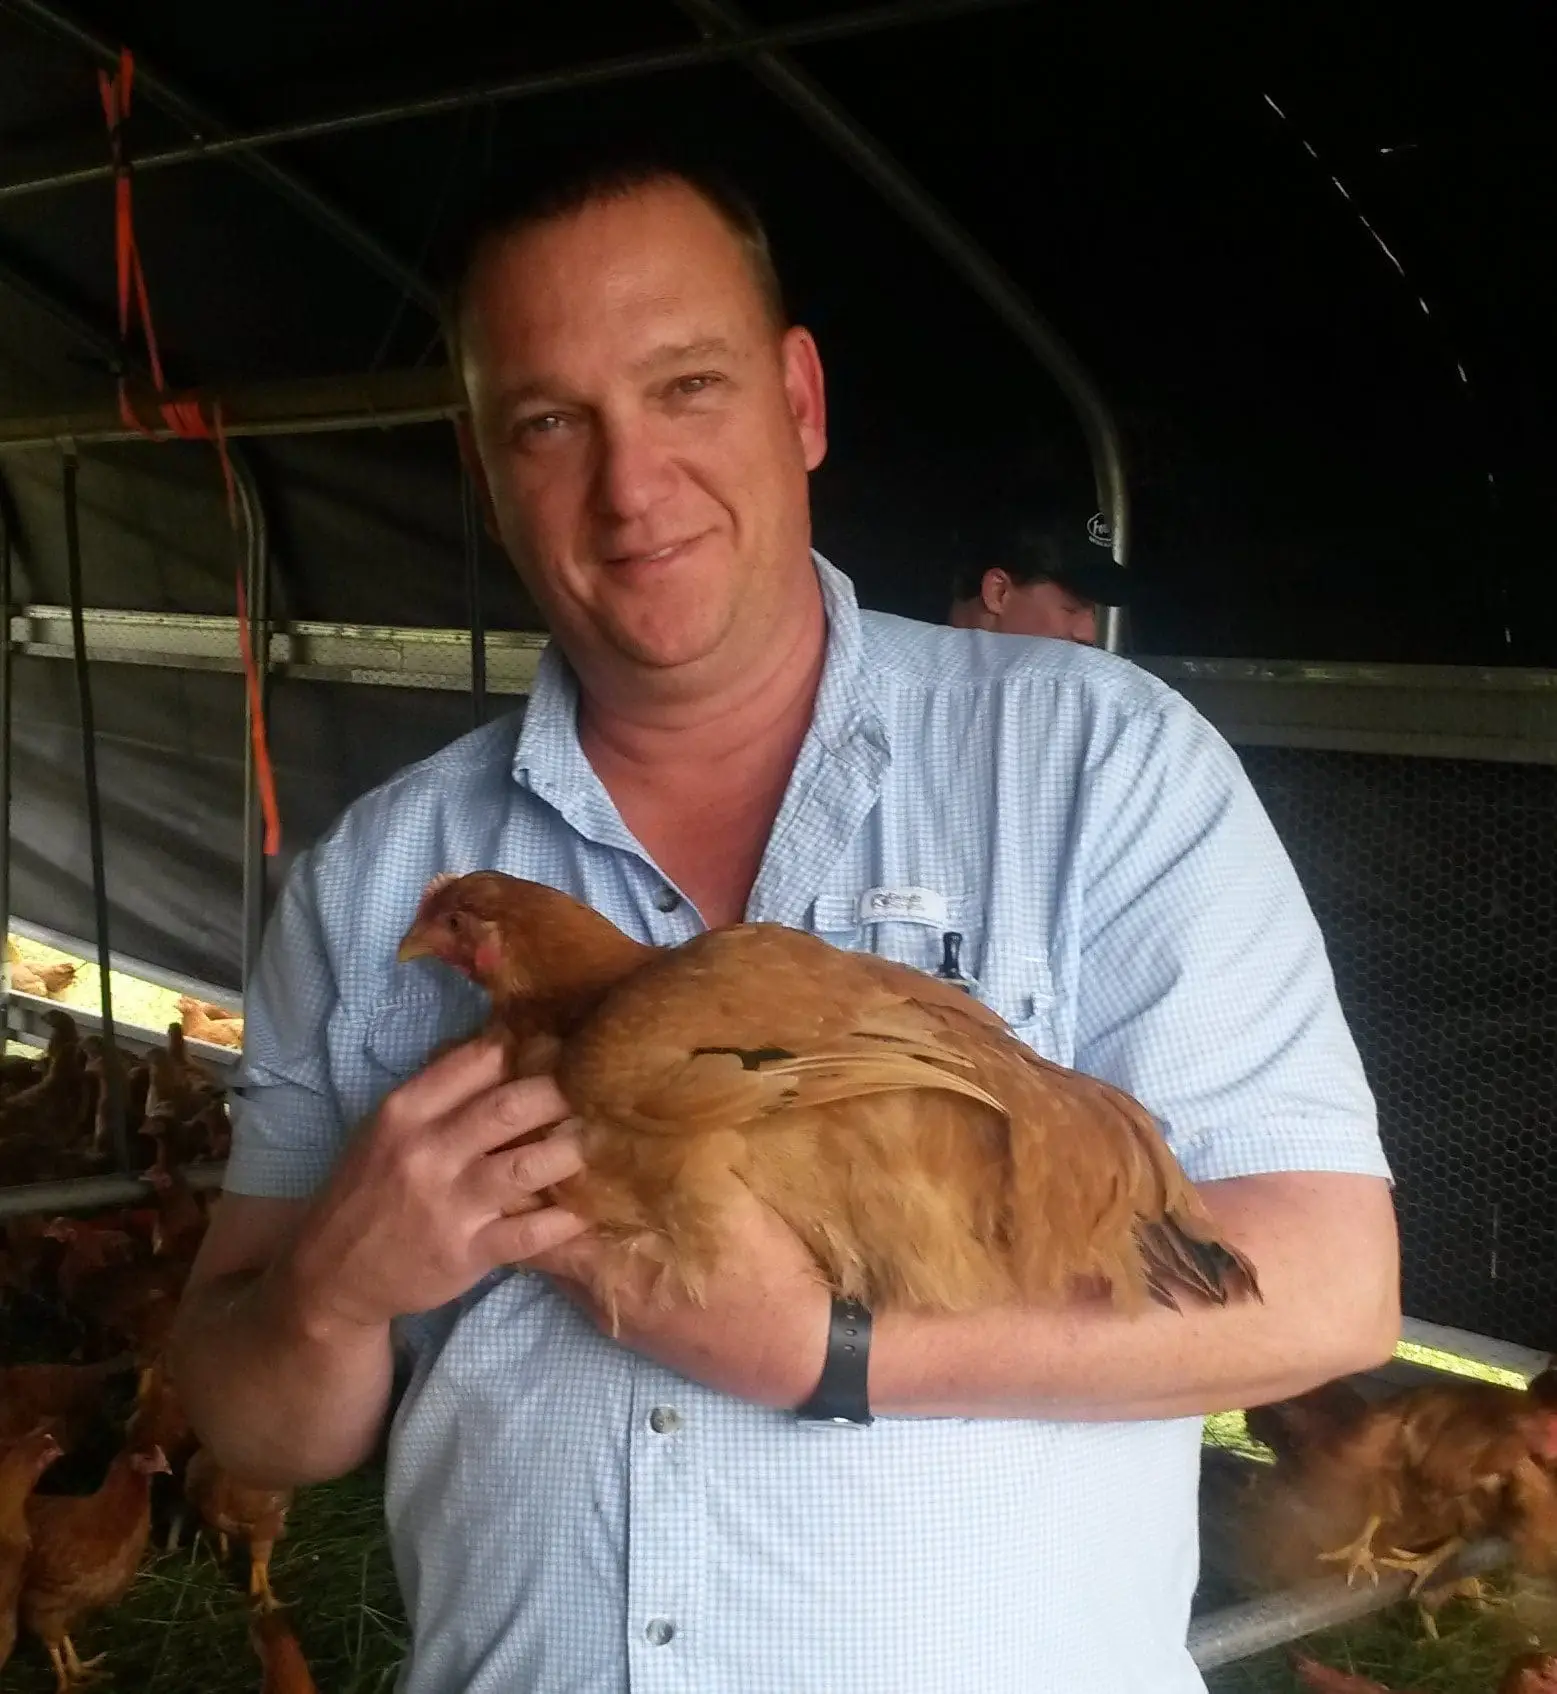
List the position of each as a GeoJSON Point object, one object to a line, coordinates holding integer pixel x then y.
{"type": "Point", "coordinates": [842, 1396]}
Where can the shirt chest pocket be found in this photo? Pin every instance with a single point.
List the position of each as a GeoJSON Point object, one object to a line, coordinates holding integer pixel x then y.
{"type": "Point", "coordinates": [405, 1033]}
{"type": "Point", "coordinates": [1010, 978]}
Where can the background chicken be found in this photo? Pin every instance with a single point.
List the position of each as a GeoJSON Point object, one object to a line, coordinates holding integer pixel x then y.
{"type": "Point", "coordinates": [281, 1654]}
{"type": "Point", "coordinates": [242, 1511]}
{"type": "Point", "coordinates": [201, 1021]}
{"type": "Point", "coordinates": [43, 981]}
{"type": "Point", "coordinates": [84, 1555]}
{"type": "Point", "coordinates": [926, 1157]}
{"type": "Point", "coordinates": [103, 1288]}
{"type": "Point", "coordinates": [47, 1114]}
{"type": "Point", "coordinates": [1530, 1673]}
{"type": "Point", "coordinates": [63, 1399]}
{"type": "Point", "coordinates": [1325, 1679]}
{"type": "Point", "coordinates": [21, 1464]}
{"type": "Point", "coordinates": [1404, 1482]}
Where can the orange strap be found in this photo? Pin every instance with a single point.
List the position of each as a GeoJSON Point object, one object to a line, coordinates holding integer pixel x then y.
{"type": "Point", "coordinates": [183, 416]}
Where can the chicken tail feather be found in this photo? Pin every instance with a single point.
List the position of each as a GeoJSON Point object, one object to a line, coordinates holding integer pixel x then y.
{"type": "Point", "coordinates": [1175, 1257]}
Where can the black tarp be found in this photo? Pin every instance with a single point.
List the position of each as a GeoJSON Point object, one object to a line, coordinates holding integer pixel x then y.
{"type": "Point", "coordinates": [1310, 471]}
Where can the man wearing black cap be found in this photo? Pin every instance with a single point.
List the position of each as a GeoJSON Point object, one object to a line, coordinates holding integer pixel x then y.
{"type": "Point", "coordinates": [1052, 577]}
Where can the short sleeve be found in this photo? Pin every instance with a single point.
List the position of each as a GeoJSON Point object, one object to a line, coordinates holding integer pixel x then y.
{"type": "Point", "coordinates": [287, 1122]}
{"type": "Point", "coordinates": [1204, 986]}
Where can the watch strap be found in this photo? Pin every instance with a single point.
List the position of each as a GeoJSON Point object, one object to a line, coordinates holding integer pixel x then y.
{"type": "Point", "coordinates": [842, 1395]}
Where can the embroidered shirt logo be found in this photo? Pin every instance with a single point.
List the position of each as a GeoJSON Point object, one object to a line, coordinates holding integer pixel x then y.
{"type": "Point", "coordinates": [903, 905]}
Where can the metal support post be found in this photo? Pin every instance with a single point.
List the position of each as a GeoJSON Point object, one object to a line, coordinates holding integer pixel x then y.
{"type": "Point", "coordinates": [725, 22]}
{"type": "Point", "coordinates": [113, 1081]}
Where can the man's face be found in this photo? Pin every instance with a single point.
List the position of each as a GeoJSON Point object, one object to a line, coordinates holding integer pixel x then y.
{"type": "Point", "coordinates": [1048, 608]}
{"type": "Point", "coordinates": [1031, 608]}
{"type": "Point", "coordinates": [645, 430]}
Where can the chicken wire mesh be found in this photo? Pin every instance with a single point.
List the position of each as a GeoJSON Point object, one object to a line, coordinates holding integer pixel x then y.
{"type": "Point", "coordinates": [1435, 883]}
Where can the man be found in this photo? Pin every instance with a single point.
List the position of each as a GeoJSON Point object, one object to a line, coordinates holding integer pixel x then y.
{"type": "Point", "coordinates": [1051, 580]}
{"type": "Point", "coordinates": [717, 731]}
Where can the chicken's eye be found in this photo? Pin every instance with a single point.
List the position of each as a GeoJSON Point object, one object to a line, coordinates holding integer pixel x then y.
{"type": "Point", "coordinates": [453, 921]}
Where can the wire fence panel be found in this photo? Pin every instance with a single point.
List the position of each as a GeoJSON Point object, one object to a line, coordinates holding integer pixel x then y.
{"type": "Point", "coordinates": [1435, 882]}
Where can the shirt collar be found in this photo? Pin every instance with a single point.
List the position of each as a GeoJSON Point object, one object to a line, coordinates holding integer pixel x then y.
{"type": "Point", "coordinates": [549, 761]}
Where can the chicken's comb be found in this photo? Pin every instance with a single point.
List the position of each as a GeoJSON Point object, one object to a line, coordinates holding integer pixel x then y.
{"type": "Point", "coordinates": [441, 880]}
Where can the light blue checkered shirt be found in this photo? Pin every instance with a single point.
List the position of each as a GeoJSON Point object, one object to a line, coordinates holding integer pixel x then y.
{"type": "Point", "coordinates": [568, 1518]}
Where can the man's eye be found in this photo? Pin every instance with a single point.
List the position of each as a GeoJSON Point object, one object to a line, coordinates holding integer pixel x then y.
{"type": "Point", "coordinates": [544, 424]}
{"type": "Point", "coordinates": [698, 383]}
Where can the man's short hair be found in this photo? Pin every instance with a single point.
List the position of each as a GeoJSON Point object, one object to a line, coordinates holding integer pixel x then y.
{"type": "Point", "coordinates": [586, 175]}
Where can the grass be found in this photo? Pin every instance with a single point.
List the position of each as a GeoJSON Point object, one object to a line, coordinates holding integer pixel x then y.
{"type": "Point", "coordinates": [1394, 1649]}
{"type": "Point", "coordinates": [182, 1629]}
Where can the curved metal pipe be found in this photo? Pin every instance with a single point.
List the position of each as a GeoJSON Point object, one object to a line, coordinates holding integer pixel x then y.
{"type": "Point", "coordinates": [113, 1080]}
{"type": "Point", "coordinates": [961, 251]}
{"type": "Point", "coordinates": [595, 75]}
{"type": "Point", "coordinates": [1272, 1620]}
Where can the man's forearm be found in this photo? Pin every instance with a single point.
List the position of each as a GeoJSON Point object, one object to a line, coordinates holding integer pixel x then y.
{"type": "Point", "coordinates": [277, 1402]}
{"type": "Point", "coordinates": [1325, 1251]}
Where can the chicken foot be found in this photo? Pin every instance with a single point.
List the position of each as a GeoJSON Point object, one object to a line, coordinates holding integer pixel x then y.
{"type": "Point", "coordinates": [70, 1670]}
{"type": "Point", "coordinates": [1357, 1555]}
{"type": "Point", "coordinates": [1470, 1588]}
{"type": "Point", "coordinates": [260, 1592]}
{"type": "Point", "coordinates": [1423, 1564]}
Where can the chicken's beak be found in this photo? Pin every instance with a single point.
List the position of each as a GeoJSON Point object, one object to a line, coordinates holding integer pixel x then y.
{"type": "Point", "coordinates": [415, 946]}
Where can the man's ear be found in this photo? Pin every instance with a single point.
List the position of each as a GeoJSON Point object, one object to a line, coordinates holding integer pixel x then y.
{"type": "Point", "coordinates": [471, 460]}
{"type": "Point", "coordinates": [994, 589]}
{"type": "Point", "coordinates": [807, 392]}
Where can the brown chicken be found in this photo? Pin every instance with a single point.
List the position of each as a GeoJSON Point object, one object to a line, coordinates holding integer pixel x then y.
{"type": "Point", "coordinates": [133, 1306]}
{"type": "Point", "coordinates": [1325, 1679]}
{"type": "Point", "coordinates": [281, 1653]}
{"type": "Point", "coordinates": [43, 981]}
{"type": "Point", "coordinates": [180, 1224]}
{"type": "Point", "coordinates": [86, 1550]}
{"type": "Point", "coordinates": [44, 1128]}
{"type": "Point", "coordinates": [158, 1419]}
{"type": "Point", "coordinates": [20, 1467]}
{"type": "Point", "coordinates": [201, 1021]}
{"type": "Point", "coordinates": [24, 1251]}
{"type": "Point", "coordinates": [926, 1157]}
{"type": "Point", "coordinates": [181, 1097]}
{"type": "Point", "coordinates": [1406, 1482]}
{"type": "Point", "coordinates": [1530, 1673]}
{"type": "Point", "coordinates": [238, 1509]}
{"type": "Point", "coordinates": [62, 1398]}
{"type": "Point", "coordinates": [91, 1246]}
{"type": "Point", "coordinates": [134, 1081]}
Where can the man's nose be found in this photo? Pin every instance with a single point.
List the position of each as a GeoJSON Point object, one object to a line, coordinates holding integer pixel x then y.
{"type": "Point", "coordinates": [633, 469]}
{"type": "Point", "coordinates": [1084, 627]}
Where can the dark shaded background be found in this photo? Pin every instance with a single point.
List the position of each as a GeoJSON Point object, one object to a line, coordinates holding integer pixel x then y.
{"type": "Point", "coordinates": [1312, 472]}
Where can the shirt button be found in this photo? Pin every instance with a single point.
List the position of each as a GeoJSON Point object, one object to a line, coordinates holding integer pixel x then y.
{"type": "Point", "coordinates": [667, 899]}
{"type": "Point", "coordinates": [664, 1420]}
{"type": "Point", "coordinates": [659, 1632]}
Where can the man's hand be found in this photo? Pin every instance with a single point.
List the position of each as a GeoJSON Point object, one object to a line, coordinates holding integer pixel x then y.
{"type": "Point", "coordinates": [761, 1334]}
{"type": "Point", "coordinates": [432, 1195]}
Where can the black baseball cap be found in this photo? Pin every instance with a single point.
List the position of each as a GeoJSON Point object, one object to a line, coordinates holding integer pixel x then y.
{"type": "Point", "coordinates": [1074, 550]}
